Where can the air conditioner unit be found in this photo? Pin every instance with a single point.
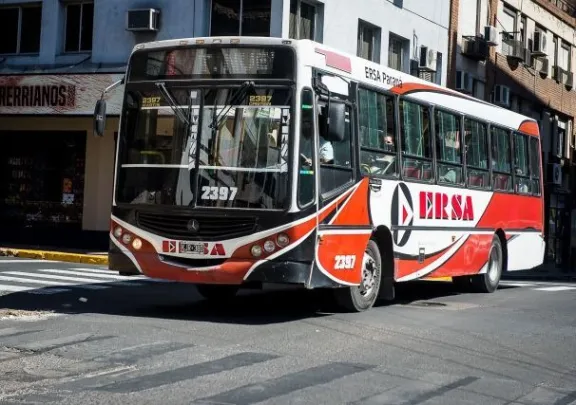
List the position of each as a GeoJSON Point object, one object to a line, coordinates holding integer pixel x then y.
{"type": "Point", "coordinates": [543, 66]}
{"type": "Point", "coordinates": [502, 95]}
{"type": "Point", "coordinates": [539, 44]}
{"type": "Point", "coordinates": [143, 19]}
{"type": "Point", "coordinates": [491, 35]}
{"type": "Point", "coordinates": [556, 174]}
{"type": "Point", "coordinates": [464, 81]}
{"type": "Point", "coordinates": [427, 59]}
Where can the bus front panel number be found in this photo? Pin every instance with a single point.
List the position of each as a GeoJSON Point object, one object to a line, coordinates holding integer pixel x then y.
{"type": "Point", "coordinates": [219, 193]}
{"type": "Point", "coordinates": [344, 262]}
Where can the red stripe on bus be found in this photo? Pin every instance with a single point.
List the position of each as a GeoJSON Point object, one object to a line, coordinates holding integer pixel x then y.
{"type": "Point", "coordinates": [336, 61]}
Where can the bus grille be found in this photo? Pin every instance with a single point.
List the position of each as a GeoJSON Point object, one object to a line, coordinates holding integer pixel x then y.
{"type": "Point", "coordinates": [209, 228]}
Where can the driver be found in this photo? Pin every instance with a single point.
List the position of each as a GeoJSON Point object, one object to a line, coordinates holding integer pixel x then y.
{"type": "Point", "coordinates": [326, 153]}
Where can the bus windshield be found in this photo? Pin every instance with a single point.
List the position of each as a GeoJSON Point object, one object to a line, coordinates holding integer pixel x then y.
{"type": "Point", "coordinates": [215, 147]}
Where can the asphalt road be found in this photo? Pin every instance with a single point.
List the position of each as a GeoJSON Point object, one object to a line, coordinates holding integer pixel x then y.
{"type": "Point", "coordinates": [74, 334]}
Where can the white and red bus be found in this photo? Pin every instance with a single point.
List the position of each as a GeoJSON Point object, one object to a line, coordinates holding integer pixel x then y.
{"type": "Point", "coordinates": [244, 161]}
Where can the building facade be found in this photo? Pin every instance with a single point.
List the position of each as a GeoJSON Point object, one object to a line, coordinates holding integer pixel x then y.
{"type": "Point", "coordinates": [57, 56]}
{"type": "Point", "coordinates": [520, 55]}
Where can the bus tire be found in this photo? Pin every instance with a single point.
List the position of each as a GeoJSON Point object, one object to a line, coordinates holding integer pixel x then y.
{"type": "Point", "coordinates": [488, 282]}
{"type": "Point", "coordinates": [364, 296]}
{"type": "Point", "coordinates": [214, 292]}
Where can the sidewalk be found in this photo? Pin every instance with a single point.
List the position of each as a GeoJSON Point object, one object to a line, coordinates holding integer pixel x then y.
{"type": "Point", "coordinates": [56, 253]}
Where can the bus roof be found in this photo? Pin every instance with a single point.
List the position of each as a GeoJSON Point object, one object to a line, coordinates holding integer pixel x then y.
{"type": "Point", "coordinates": [368, 73]}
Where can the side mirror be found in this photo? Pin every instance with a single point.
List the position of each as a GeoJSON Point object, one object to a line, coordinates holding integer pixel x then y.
{"type": "Point", "coordinates": [100, 118]}
{"type": "Point", "coordinates": [336, 125]}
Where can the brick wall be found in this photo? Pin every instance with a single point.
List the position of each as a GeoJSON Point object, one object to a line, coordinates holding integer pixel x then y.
{"type": "Point", "coordinates": [452, 43]}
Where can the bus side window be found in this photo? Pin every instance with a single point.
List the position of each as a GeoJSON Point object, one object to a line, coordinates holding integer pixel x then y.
{"type": "Point", "coordinates": [416, 147]}
{"type": "Point", "coordinates": [476, 136]}
{"type": "Point", "coordinates": [448, 148]}
{"type": "Point", "coordinates": [535, 165]}
{"type": "Point", "coordinates": [501, 160]}
{"type": "Point", "coordinates": [306, 184]}
{"type": "Point", "coordinates": [377, 134]}
{"type": "Point", "coordinates": [523, 185]}
{"type": "Point", "coordinates": [335, 157]}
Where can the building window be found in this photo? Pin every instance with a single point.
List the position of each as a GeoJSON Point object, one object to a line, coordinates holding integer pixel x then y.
{"type": "Point", "coordinates": [522, 31]}
{"type": "Point", "coordinates": [79, 27]}
{"type": "Point", "coordinates": [564, 56]}
{"type": "Point", "coordinates": [240, 17]}
{"type": "Point", "coordinates": [396, 51]}
{"type": "Point", "coordinates": [434, 77]}
{"type": "Point", "coordinates": [304, 20]}
{"type": "Point", "coordinates": [369, 41]}
{"type": "Point", "coordinates": [20, 29]}
{"type": "Point", "coordinates": [508, 24]}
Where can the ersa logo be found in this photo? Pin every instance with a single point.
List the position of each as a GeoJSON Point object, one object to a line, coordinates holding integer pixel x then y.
{"type": "Point", "coordinates": [195, 248]}
{"type": "Point", "coordinates": [441, 206]}
{"type": "Point", "coordinates": [402, 214]}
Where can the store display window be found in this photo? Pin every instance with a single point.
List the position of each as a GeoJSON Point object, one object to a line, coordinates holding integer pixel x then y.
{"type": "Point", "coordinates": [42, 178]}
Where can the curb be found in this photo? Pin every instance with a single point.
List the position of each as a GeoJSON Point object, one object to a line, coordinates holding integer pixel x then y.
{"type": "Point", "coordinates": [55, 256]}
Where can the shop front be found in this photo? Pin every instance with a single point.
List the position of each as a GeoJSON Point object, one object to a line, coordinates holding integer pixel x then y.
{"type": "Point", "coordinates": [56, 177]}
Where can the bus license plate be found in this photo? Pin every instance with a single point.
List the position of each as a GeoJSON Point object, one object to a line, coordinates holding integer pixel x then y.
{"type": "Point", "coordinates": [192, 248]}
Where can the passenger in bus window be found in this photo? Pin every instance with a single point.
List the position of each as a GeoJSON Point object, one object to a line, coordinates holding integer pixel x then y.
{"type": "Point", "coordinates": [326, 153]}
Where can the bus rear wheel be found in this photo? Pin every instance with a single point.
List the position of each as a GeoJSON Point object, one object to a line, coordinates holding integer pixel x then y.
{"type": "Point", "coordinates": [215, 292]}
{"type": "Point", "coordinates": [488, 282]}
{"type": "Point", "coordinates": [364, 296]}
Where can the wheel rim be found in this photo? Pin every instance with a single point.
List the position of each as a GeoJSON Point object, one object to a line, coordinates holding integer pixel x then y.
{"type": "Point", "coordinates": [494, 265]}
{"type": "Point", "coordinates": [368, 275]}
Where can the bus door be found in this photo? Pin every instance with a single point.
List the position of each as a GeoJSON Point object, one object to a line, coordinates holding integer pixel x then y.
{"type": "Point", "coordinates": [343, 220]}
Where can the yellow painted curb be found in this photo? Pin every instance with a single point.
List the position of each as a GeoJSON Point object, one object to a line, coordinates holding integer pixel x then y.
{"type": "Point", "coordinates": [56, 256]}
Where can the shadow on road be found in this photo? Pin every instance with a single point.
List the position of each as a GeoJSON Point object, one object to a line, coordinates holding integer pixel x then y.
{"type": "Point", "coordinates": [182, 302]}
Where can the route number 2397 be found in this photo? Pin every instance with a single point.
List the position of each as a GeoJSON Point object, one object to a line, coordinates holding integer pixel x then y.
{"type": "Point", "coordinates": [219, 193]}
{"type": "Point", "coordinates": [344, 262]}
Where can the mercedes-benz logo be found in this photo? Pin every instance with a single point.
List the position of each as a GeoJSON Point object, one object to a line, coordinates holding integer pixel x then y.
{"type": "Point", "coordinates": [193, 225]}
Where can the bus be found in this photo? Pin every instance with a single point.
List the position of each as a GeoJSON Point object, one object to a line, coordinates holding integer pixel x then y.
{"type": "Point", "coordinates": [243, 161]}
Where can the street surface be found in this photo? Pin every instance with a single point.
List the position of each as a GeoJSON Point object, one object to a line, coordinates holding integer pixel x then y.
{"type": "Point", "coordinates": [77, 334]}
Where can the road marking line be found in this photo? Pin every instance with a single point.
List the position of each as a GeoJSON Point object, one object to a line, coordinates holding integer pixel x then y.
{"type": "Point", "coordinates": [519, 284]}
{"type": "Point", "coordinates": [53, 277]}
{"type": "Point", "coordinates": [100, 271]}
{"type": "Point", "coordinates": [556, 288]}
{"type": "Point", "coordinates": [79, 273]}
{"type": "Point", "coordinates": [26, 261]}
{"type": "Point", "coordinates": [14, 288]}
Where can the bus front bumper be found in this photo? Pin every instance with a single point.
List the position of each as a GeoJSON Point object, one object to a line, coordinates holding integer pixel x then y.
{"type": "Point", "coordinates": [229, 271]}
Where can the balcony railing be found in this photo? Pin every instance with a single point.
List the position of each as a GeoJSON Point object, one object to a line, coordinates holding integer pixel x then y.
{"type": "Point", "coordinates": [564, 6]}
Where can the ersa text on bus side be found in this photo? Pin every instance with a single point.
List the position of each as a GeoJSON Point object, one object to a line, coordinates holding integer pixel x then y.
{"type": "Point", "coordinates": [382, 77]}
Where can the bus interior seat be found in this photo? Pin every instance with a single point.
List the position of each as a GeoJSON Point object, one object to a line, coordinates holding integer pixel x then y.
{"type": "Point", "coordinates": [476, 180]}
{"type": "Point", "coordinates": [501, 181]}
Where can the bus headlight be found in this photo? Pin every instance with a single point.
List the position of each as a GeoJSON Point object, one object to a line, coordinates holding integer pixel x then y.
{"type": "Point", "coordinates": [126, 238]}
{"type": "Point", "coordinates": [118, 232]}
{"type": "Point", "coordinates": [137, 243]}
{"type": "Point", "coordinates": [256, 251]}
{"type": "Point", "coordinates": [269, 246]}
{"type": "Point", "coordinates": [282, 240]}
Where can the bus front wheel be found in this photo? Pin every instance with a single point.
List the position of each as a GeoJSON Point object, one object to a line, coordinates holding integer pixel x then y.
{"type": "Point", "coordinates": [217, 291]}
{"type": "Point", "coordinates": [364, 296]}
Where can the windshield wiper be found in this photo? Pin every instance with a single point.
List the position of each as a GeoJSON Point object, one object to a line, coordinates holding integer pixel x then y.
{"type": "Point", "coordinates": [172, 102]}
{"type": "Point", "coordinates": [237, 99]}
